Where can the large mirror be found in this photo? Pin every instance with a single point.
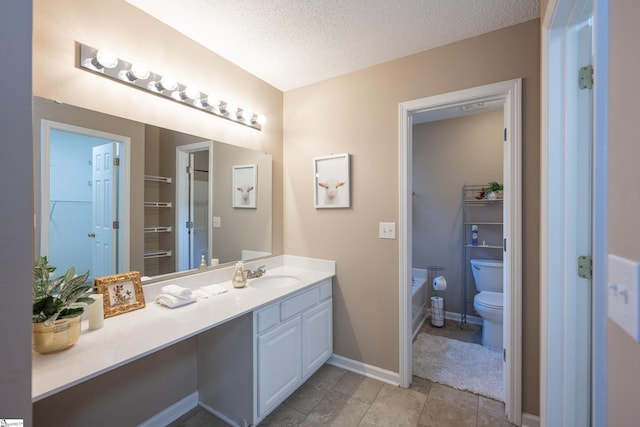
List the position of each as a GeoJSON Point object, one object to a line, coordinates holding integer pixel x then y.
{"type": "Point", "coordinates": [168, 202]}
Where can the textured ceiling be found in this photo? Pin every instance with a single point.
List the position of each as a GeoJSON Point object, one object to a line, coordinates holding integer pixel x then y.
{"type": "Point", "coordinates": [293, 43]}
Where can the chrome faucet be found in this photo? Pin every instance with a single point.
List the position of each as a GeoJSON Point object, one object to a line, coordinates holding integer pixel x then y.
{"type": "Point", "coordinates": [256, 273]}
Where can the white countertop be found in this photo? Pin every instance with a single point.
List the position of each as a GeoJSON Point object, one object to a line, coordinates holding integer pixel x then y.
{"type": "Point", "coordinates": [130, 336]}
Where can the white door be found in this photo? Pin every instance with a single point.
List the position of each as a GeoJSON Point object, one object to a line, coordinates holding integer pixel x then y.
{"type": "Point", "coordinates": [199, 207]}
{"type": "Point", "coordinates": [104, 210]}
{"type": "Point", "coordinates": [566, 222]}
{"type": "Point", "coordinates": [190, 210]}
{"type": "Point", "coordinates": [317, 336]}
{"type": "Point", "coordinates": [200, 222]}
{"type": "Point", "coordinates": [279, 363]}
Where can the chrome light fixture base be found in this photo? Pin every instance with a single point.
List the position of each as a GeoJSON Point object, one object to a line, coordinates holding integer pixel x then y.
{"type": "Point", "coordinates": [155, 83]}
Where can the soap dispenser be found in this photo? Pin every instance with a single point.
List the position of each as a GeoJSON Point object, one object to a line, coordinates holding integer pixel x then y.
{"type": "Point", "coordinates": [239, 279]}
{"type": "Point", "coordinates": [203, 263]}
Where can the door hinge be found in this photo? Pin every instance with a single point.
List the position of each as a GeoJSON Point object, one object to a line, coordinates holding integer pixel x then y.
{"type": "Point", "coordinates": [504, 245]}
{"type": "Point", "coordinates": [585, 264]}
{"type": "Point", "coordinates": [116, 161]}
{"type": "Point", "coordinates": [188, 224]}
{"type": "Point", "coordinates": [188, 170]}
{"type": "Point", "coordinates": [585, 77]}
{"type": "Point", "coordinates": [504, 354]}
{"type": "Point", "coordinates": [116, 225]}
{"type": "Point", "coordinates": [505, 134]}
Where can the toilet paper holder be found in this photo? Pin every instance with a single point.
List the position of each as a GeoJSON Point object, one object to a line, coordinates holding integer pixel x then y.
{"type": "Point", "coordinates": [439, 283]}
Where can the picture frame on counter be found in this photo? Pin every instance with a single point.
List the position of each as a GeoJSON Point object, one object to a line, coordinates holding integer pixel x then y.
{"type": "Point", "coordinates": [122, 293]}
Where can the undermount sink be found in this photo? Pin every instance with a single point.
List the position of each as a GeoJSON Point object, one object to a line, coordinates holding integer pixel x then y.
{"type": "Point", "coordinates": [274, 282]}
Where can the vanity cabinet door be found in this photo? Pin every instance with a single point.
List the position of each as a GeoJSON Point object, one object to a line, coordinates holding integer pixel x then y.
{"type": "Point", "coordinates": [317, 335]}
{"type": "Point", "coordinates": [279, 363]}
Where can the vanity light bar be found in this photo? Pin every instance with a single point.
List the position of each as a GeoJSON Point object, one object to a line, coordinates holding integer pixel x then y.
{"type": "Point", "coordinates": [106, 64]}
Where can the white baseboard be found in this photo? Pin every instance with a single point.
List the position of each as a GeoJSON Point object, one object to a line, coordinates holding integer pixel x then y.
{"type": "Point", "coordinates": [529, 420]}
{"type": "Point", "coordinates": [361, 368]}
{"type": "Point", "coordinates": [173, 412]}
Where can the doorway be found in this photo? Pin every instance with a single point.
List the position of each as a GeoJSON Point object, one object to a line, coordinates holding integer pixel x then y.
{"type": "Point", "coordinates": [83, 205]}
{"type": "Point", "coordinates": [510, 94]}
{"type": "Point", "coordinates": [194, 185]}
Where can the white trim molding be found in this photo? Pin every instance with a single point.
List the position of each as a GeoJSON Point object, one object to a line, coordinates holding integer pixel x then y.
{"type": "Point", "coordinates": [510, 92]}
{"type": "Point", "coordinates": [364, 369]}
{"type": "Point", "coordinates": [124, 177]}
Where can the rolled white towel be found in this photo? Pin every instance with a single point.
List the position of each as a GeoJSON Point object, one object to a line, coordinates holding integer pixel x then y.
{"type": "Point", "coordinates": [172, 301]}
{"type": "Point", "coordinates": [176, 291]}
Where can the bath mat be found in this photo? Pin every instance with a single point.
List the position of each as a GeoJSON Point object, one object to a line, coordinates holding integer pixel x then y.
{"type": "Point", "coordinates": [461, 365]}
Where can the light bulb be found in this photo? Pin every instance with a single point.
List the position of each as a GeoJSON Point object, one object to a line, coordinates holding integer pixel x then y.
{"type": "Point", "coordinates": [137, 71]}
{"type": "Point", "coordinates": [261, 119]}
{"type": "Point", "coordinates": [247, 115]}
{"type": "Point", "coordinates": [167, 82]}
{"type": "Point", "coordinates": [106, 58]}
{"type": "Point", "coordinates": [207, 101]}
{"type": "Point", "coordinates": [230, 109]}
{"type": "Point", "coordinates": [191, 92]}
{"type": "Point", "coordinates": [140, 71]}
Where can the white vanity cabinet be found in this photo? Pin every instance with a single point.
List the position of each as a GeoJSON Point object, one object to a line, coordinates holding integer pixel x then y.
{"type": "Point", "coordinates": [294, 337]}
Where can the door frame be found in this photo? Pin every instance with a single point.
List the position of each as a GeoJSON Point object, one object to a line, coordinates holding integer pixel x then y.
{"type": "Point", "coordinates": [561, 396]}
{"type": "Point", "coordinates": [182, 195]}
{"type": "Point", "coordinates": [124, 172]}
{"type": "Point", "coordinates": [511, 93]}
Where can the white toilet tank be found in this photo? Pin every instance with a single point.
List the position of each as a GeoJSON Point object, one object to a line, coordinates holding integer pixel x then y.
{"type": "Point", "coordinates": [487, 274]}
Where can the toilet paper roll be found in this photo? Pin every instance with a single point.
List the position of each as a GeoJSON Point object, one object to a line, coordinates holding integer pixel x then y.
{"type": "Point", "coordinates": [439, 283]}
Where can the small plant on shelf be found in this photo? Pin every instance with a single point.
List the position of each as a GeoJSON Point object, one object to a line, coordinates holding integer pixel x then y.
{"type": "Point", "coordinates": [492, 189]}
{"type": "Point", "coordinates": [494, 186]}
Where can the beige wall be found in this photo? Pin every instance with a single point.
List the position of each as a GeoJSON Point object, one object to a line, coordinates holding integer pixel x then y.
{"type": "Point", "coordinates": [16, 227]}
{"type": "Point", "coordinates": [448, 154]}
{"type": "Point", "coordinates": [358, 113]}
{"type": "Point", "coordinates": [623, 353]}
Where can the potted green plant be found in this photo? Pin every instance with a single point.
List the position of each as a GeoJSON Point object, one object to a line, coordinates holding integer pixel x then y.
{"type": "Point", "coordinates": [58, 304]}
{"type": "Point", "coordinates": [491, 191]}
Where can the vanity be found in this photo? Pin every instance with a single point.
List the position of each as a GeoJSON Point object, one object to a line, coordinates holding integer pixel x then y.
{"type": "Point", "coordinates": [238, 354]}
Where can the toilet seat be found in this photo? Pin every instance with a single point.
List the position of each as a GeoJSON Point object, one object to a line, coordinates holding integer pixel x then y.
{"type": "Point", "coordinates": [490, 300]}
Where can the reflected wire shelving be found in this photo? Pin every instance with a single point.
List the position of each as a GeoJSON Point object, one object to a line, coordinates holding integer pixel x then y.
{"type": "Point", "coordinates": [155, 252]}
{"type": "Point", "coordinates": [487, 214]}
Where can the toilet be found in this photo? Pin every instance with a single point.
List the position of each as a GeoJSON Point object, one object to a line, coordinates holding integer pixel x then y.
{"type": "Point", "coordinates": [489, 303]}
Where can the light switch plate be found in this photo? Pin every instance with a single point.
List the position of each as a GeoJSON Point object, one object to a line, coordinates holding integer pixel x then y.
{"type": "Point", "coordinates": [387, 230]}
{"type": "Point", "coordinates": [623, 298]}
{"type": "Point", "coordinates": [216, 222]}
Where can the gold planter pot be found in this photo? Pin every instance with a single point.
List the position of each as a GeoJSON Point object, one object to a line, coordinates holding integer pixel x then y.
{"type": "Point", "coordinates": [61, 335]}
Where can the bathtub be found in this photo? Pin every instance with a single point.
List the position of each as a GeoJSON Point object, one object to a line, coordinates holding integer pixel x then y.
{"type": "Point", "coordinates": [418, 298]}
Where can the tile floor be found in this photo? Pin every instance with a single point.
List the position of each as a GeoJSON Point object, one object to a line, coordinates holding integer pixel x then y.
{"type": "Point", "coordinates": [336, 397]}
{"type": "Point", "coordinates": [451, 329]}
